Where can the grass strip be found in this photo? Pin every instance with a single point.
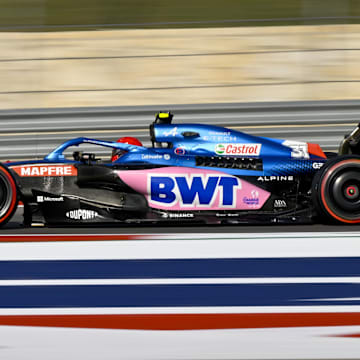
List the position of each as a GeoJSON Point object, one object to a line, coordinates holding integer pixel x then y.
{"type": "Point", "coordinates": [54, 15]}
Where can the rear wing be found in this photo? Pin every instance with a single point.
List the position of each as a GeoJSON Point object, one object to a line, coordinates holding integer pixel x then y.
{"type": "Point", "coordinates": [351, 143]}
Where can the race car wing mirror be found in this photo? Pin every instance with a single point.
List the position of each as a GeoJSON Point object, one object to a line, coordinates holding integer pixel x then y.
{"type": "Point", "coordinates": [77, 155]}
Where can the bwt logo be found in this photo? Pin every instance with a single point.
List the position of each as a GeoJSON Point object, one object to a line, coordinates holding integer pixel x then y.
{"type": "Point", "coordinates": [193, 190]}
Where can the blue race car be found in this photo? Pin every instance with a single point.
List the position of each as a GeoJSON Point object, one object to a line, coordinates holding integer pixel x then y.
{"type": "Point", "coordinates": [193, 173]}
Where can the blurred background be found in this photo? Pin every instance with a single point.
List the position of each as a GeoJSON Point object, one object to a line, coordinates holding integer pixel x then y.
{"type": "Point", "coordinates": [61, 53]}
{"type": "Point", "coordinates": [102, 68]}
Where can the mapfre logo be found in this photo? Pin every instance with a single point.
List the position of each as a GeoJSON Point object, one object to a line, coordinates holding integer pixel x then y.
{"type": "Point", "coordinates": [45, 170]}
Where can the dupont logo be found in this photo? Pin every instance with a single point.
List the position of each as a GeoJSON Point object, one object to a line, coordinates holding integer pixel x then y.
{"type": "Point", "coordinates": [81, 214]}
{"type": "Point", "coordinates": [45, 170]}
{"type": "Point", "coordinates": [238, 149]}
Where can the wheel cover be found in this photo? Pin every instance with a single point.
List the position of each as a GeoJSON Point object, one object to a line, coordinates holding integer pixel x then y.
{"type": "Point", "coordinates": [340, 191]}
{"type": "Point", "coordinates": [8, 195]}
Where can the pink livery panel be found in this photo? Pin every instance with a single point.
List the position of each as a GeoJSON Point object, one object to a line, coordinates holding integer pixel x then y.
{"type": "Point", "coordinates": [179, 188]}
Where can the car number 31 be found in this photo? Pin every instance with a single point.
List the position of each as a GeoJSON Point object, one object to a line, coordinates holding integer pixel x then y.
{"type": "Point", "coordinates": [299, 150]}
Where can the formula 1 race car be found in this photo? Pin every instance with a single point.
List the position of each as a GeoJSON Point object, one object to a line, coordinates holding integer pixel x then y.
{"type": "Point", "coordinates": [190, 174]}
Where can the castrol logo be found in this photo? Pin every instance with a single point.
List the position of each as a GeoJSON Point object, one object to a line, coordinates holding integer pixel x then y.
{"type": "Point", "coordinates": [238, 149]}
{"type": "Point", "coordinates": [45, 170]}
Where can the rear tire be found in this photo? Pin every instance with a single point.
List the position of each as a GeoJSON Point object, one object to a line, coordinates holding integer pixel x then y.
{"type": "Point", "coordinates": [336, 190]}
{"type": "Point", "coordinates": [8, 195]}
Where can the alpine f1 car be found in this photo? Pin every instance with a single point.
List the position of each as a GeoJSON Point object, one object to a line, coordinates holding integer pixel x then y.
{"type": "Point", "coordinates": [191, 173]}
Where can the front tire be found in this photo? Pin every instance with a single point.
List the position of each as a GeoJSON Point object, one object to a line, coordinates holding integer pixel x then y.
{"type": "Point", "coordinates": [8, 195]}
{"type": "Point", "coordinates": [336, 190]}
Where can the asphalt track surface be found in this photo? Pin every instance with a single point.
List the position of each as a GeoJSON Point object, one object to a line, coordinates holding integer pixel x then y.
{"type": "Point", "coordinates": [15, 227]}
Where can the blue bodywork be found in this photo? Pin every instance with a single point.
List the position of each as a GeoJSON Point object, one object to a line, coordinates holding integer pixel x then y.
{"type": "Point", "coordinates": [184, 142]}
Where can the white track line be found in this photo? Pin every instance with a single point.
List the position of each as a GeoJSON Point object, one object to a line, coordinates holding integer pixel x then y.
{"type": "Point", "coordinates": [183, 310]}
{"type": "Point", "coordinates": [272, 280]}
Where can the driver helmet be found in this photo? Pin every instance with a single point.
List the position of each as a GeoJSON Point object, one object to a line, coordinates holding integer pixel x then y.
{"type": "Point", "coordinates": [116, 153]}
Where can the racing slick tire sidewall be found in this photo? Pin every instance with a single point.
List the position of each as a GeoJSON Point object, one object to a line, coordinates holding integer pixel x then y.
{"type": "Point", "coordinates": [8, 195]}
{"type": "Point", "coordinates": [336, 190]}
